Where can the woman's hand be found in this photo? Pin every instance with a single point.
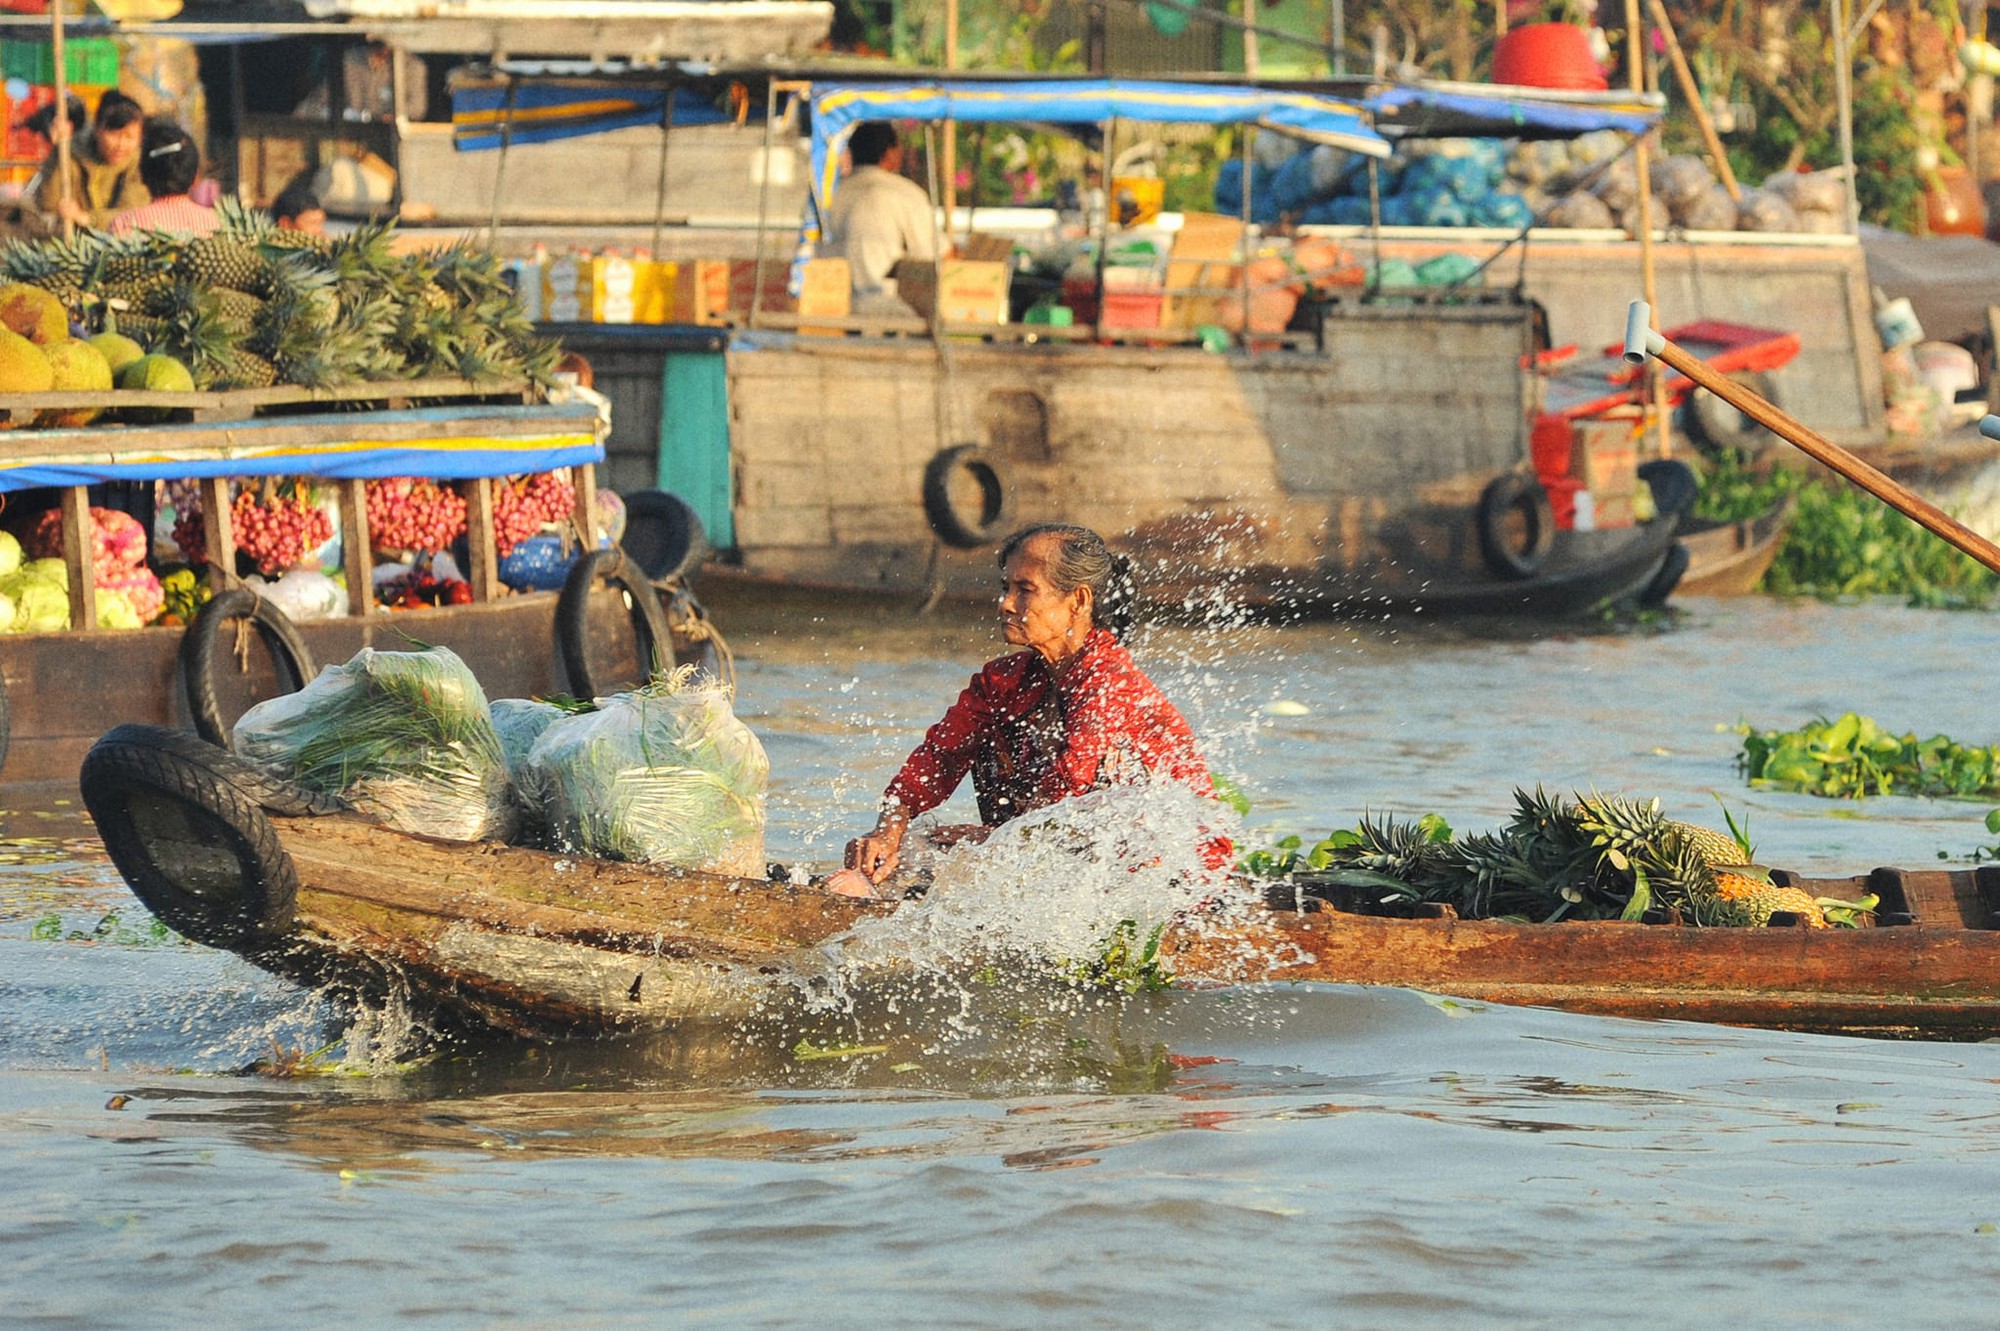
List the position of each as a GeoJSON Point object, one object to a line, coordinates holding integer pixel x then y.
{"type": "Point", "coordinates": [877, 853]}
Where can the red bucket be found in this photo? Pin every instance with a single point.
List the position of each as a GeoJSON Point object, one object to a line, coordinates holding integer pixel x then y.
{"type": "Point", "coordinates": [1547, 55]}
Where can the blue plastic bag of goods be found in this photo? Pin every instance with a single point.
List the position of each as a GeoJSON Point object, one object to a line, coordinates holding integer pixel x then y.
{"type": "Point", "coordinates": [1343, 211]}
{"type": "Point", "coordinates": [1501, 209]}
{"type": "Point", "coordinates": [1264, 209]}
{"type": "Point", "coordinates": [1293, 188]}
{"type": "Point", "coordinates": [1229, 185]}
{"type": "Point", "coordinates": [1435, 206]}
{"type": "Point", "coordinates": [1396, 211]}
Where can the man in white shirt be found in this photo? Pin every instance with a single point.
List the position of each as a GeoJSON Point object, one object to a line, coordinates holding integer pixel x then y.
{"type": "Point", "coordinates": [878, 217]}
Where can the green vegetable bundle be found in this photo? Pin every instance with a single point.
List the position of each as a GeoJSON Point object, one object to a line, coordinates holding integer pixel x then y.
{"type": "Point", "coordinates": [665, 775]}
{"type": "Point", "coordinates": [404, 736]}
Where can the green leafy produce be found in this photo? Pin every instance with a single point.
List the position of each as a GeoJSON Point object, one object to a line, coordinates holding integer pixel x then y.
{"type": "Point", "coordinates": [404, 736]}
{"type": "Point", "coordinates": [1732, 490]}
{"type": "Point", "coordinates": [1853, 757]}
{"type": "Point", "coordinates": [1843, 542]}
{"type": "Point", "coordinates": [1126, 963]}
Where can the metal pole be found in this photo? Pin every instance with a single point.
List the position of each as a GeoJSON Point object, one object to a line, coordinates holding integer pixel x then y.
{"type": "Point", "coordinates": [660, 189]}
{"type": "Point", "coordinates": [1843, 88]}
{"type": "Point", "coordinates": [763, 205]}
{"type": "Point", "coordinates": [500, 168]}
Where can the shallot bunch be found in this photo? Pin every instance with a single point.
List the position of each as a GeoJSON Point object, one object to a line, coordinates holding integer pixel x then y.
{"type": "Point", "coordinates": [410, 514]}
{"type": "Point", "coordinates": [277, 532]}
{"type": "Point", "coordinates": [522, 504]}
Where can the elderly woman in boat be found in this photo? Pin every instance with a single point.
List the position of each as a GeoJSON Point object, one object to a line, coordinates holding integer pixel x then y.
{"type": "Point", "coordinates": [1072, 713]}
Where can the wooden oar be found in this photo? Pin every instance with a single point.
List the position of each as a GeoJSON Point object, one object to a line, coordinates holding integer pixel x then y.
{"type": "Point", "coordinates": [1642, 340]}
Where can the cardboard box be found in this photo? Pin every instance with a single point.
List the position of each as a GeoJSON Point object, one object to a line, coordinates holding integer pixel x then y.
{"type": "Point", "coordinates": [963, 291]}
{"type": "Point", "coordinates": [1607, 456]}
{"type": "Point", "coordinates": [1613, 510]}
{"type": "Point", "coordinates": [701, 291]}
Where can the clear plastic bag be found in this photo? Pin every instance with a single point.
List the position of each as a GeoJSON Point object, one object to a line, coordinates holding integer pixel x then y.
{"type": "Point", "coordinates": [520, 722]}
{"type": "Point", "coordinates": [406, 737]}
{"type": "Point", "coordinates": [665, 775]}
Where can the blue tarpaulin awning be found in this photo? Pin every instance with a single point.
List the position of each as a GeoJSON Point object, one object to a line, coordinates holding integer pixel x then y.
{"type": "Point", "coordinates": [838, 107]}
{"type": "Point", "coordinates": [544, 111]}
{"type": "Point", "coordinates": [1492, 110]}
{"type": "Point", "coordinates": [428, 441]}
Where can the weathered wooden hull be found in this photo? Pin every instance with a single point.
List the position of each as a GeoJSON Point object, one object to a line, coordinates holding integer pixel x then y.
{"type": "Point", "coordinates": [1350, 471]}
{"type": "Point", "coordinates": [1730, 559]}
{"type": "Point", "coordinates": [530, 941]}
{"type": "Point", "coordinates": [64, 689]}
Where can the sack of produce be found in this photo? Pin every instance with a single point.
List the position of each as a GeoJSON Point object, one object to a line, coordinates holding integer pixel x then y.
{"type": "Point", "coordinates": [1502, 208]}
{"type": "Point", "coordinates": [1810, 191]}
{"type": "Point", "coordinates": [664, 775]}
{"type": "Point", "coordinates": [1292, 187]}
{"type": "Point", "coordinates": [1581, 211]}
{"type": "Point", "coordinates": [520, 722]}
{"type": "Point", "coordinates": [1538, 161]}
{"type": "Point", "coordinates": [405, 737]}
{"type": "Point", "coordinates": [1715, 211]}
{"type": "Point", "coordinates": [1331, 169]}
{"type": "Point", "coordinates": [1681, 181]}
{"type": "Point", "coordinates": [1765, 210]}
{"type": "Point", "coordinates": [1618, 187]}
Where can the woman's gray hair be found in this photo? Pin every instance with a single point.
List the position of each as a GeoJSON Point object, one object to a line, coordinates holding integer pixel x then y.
{"type": "Point", "coordinates": [1083, 560]}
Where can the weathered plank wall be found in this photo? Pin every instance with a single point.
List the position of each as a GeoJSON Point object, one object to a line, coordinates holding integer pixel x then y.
{"type": "Point", "coordinates": [1166, 446]}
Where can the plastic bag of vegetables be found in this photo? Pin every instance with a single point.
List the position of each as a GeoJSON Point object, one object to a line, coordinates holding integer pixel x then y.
{"type": "Point", "coordinates": [665, 775]}
{"type": "Point", "coordinates": [406, 737]}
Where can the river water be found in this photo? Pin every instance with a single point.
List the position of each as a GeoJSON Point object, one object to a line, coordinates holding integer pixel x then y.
{"type": "Point", "coordinates": [1311, 1156]}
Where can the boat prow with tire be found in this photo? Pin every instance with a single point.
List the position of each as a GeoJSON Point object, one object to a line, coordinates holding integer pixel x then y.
{"type": "Point", "coordinates": [523, 940]}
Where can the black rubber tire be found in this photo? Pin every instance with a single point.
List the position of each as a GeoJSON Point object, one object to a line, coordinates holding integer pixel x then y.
{"type": "Point", "coordinates": [663, 535]}
{"type": "Point", "coordinates": [262, 788]}
{"type": "Point", "coordinates": [1718, 426]}
{"type": "Point", "coordinates": [649, 620]}
{"type": "Point", "coordinates": [1674, 485]}
{"type": "Point", "coordinates": [1669, 577]}
{"type": "Point", "coordinates": [1512, 492]}
{"type": "Point", "coordinates": [192, 844]}
{"type": "Point", "coordinates": [954, 527]}
{"type": "Point", "coordinates": [289, 653]}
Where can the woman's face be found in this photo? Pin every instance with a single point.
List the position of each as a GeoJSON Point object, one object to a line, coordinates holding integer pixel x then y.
{"type": "Point", "coordinates": [1033, 613]}
{"type": "Point", "coordinates": [121, 145]}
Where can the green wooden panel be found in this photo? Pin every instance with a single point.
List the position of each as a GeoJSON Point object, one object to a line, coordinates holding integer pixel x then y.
{"type": "Point", "coordinates": [694, 439]}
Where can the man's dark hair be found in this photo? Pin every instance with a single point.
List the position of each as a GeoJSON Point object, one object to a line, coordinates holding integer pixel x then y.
{"type": "Point", "coordinates": [43, 120]}
{"type": "Point", "coordinates": [115, 111]}
{"type": "Point", "coordinates": [296, 198]}
{"type": "Point", "coordinates": [169, 162]}
{"type": "Point", "coordinates": [871, 142]}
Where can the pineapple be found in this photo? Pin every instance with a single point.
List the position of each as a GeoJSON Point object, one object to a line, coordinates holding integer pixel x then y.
{"type": "Point", "coordinates": [221, 260]}
{"type": "Point", "coordinates": [237, 368]}
{"type": "Point", "coordinates": [1713, 846]}
{"type": "Point", "coordinates": [238, 310]}
{"type": "Point", "coordinates": [1750, 898]}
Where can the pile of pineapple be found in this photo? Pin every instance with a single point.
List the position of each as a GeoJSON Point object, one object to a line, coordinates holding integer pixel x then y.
{"type": "Point", "coordinates": [251, 305]}
{"type": "Point", "coordinates": [1587, 857]}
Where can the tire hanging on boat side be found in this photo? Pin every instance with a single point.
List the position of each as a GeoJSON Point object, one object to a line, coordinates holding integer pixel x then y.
{"type": "Point", "coordinates": [1515, 492]}
{"type": "Point", "coordinates": [200, 647]}
{"type": "Point", "coordinates": [655, 640]}
{"type": "Point", "coordinates": [1673, 485]}
{"type": "Point", "coordinates": [1720, 426]}
{"type": "Point", "coordinates": [192, 843]}
{"type": "Point", "coordinates": [954, 526]}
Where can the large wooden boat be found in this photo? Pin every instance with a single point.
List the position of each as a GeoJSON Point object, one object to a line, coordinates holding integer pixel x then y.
{"type": "Point", "coordinates": [59, 689]}
{"type": "Point", "coordinates": [528, 941]}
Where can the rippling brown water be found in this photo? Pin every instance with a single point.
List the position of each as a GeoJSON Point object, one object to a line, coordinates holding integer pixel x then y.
{"type": "Point", "coordinates": [1306, 1157]}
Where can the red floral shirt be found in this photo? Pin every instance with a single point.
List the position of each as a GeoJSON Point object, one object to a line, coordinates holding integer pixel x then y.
{"type": "Point", "coordinates": [1030, 735]}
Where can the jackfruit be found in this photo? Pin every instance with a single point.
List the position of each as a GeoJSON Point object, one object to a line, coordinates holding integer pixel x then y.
{"type": "Point", "coordinates": [79, 368]}
{"type": "Point", "coordinates": [33, 313]}
{"type": "Point", "coordinates": [23, 367]}
{"type": "Point", "coordinates": [117, 349]}
{"type": "Point", "coordinates": [156, 374]}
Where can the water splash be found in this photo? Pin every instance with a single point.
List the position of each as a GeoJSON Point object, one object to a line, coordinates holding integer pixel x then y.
{"type": "Point", "coordinates": [1043, 895]}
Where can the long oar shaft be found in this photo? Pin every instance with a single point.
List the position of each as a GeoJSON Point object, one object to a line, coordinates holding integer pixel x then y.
{"type": "Point", "coordinates": [1891, 492]}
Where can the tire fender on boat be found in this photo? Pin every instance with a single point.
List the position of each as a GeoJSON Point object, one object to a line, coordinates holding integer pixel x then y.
{"type": "Point", "coordinates": [663, 535]}
{"type": "Point", "coordinates": [200, 650]}
{"type": "Point", "coordinates": [649, 621]}
{"type": "Point", "coordinates": [1515, 492]}
{"type": "Point", "coordinates": [948, 517]}
{"type": "Point", "coordinates": [1721, 426]}
{"type": "Point", "coordinates": [1672, 569]}
{"type": "Point", "coordinates": [165, 804]}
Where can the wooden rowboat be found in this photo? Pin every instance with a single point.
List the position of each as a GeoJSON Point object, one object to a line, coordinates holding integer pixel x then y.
{"type": "Point", "coordinates": [528, 941]}
{"type": "Point", "coordinates": [1730, 558]}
